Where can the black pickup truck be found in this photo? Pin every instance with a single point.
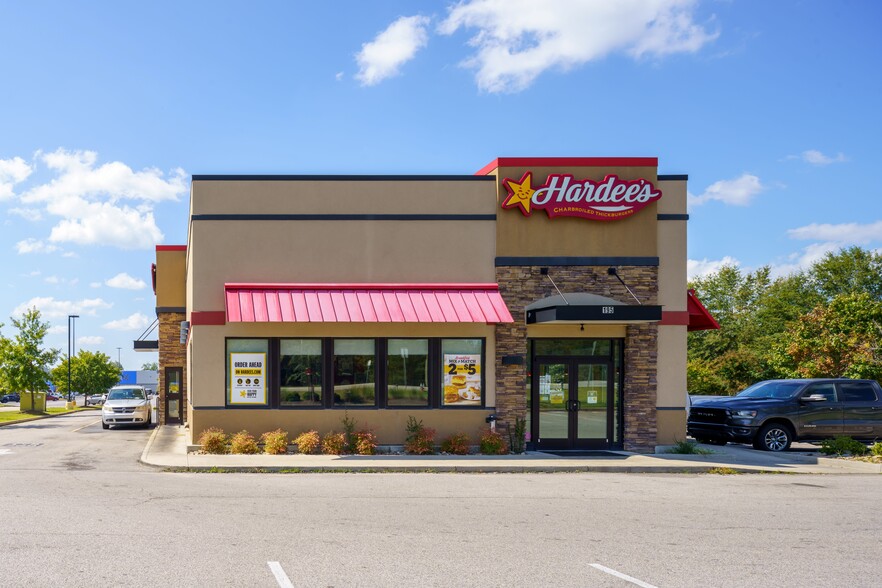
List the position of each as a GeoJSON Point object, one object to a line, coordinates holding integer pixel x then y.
{"type": "Point", "coordinates": [774, 413]}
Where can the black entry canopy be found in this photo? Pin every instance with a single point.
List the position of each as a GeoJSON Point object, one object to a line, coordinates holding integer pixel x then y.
{"type": "Point", "coordinates": [580, 307]}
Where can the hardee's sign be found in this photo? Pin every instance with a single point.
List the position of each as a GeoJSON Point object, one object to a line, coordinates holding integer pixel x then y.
{"type": "Point", "coordinates": [610, 199]}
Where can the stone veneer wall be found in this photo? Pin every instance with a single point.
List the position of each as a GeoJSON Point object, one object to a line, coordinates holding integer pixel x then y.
{"type": "Point", "coordinates": [171, 354]}
{"type": "Point", "coordinates": [523, 285]}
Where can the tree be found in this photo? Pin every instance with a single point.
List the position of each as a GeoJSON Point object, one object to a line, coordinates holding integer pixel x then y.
{"type": "Point", "coordinates": [90, 373]}
{"type": "Point", "coordinates": [848, 271]}
{"type": "Point", "coordinates": [842, 339]}
{"type": "Point", "coordinates": [24, 363]}
{"type": "Point", "coordinates": [150, 366]}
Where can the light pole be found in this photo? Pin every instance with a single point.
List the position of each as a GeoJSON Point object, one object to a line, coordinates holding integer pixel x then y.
{"type": "Point", "coordinates": [118, 360]}
{"type": "Point", "coordinates": [71, 319]}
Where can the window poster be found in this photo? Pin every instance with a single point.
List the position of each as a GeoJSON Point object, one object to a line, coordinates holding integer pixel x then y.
{"type": "Point", "coordinates": [462, 380]}
{"type": "Point", "coordinates": [248, 378]}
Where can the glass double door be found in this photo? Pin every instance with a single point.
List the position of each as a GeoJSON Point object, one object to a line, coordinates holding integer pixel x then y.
{"type": "Point", "coordinates": [572, 403]}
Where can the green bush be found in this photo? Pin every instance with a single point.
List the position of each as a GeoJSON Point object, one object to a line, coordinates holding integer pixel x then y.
{"type": "Point", "coordinates": [308, 442]}
{"type": "Point", "coordinates": [688, 448]}
{"type": "Point", "coordinates": [365, 443]}
{"type": "Point", "coordinates": [492, 443]}
{"type": "Point", "coordinates": [243, 442]}
{"type": "Point", "coordinates": [876, 449]}
{"type": "Point", "coordinates": [517, 436]}
{"type": "Point", "coordinates": [213, 440]}
{"type": "Point", "coordinates": [420, 440]}
{"type": "Point", "coordinates": [349, 438]}
{"type": "Point", "coordinates": [275, 442]}
{"type": "Point", "coordinates": [334, 444]}
{"type": "Point", "coordinates": [457, 444]}
{"type": "Point", "coordinates": [843, 445]}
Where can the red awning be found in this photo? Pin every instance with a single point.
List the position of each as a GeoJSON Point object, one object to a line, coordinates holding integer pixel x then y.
{"type": "Point", "coordinates": [365, 303]}
{"type": "Point", "coordinates": [700, 318]}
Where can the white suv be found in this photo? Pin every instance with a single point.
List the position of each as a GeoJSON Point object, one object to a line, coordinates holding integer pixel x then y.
{"type": "Point", "coordinates": [126, 405]}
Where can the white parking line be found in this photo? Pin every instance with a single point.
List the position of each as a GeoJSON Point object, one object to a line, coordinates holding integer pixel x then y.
{"type": "Point", "coordinates": [4, 451]}
{"type": "Point", "coordinates": [84, 426]}
{"type": "Point", "coordinates": [279, 573]}
{"type": "Point", "coordinates": [622, 576]}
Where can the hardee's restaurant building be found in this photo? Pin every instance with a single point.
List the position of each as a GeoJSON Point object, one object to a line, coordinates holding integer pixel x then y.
{"type": "Point", "coordinates": [548, 289]}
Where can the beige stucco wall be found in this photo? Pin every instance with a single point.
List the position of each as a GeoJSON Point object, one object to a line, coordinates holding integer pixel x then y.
{"type": "Point", "coordinates": [333, 251]}
{"type": "Point", "coordinates": [171, 276]}
{"type": "Point", "coordinates": [359, 196]}
{"type": "Point", "coordinates": [336, 252]}
{"type": "Point", "coordinates": [538, 235]}
{"type": "Point", "coordinates": [671, 426]}
{"type": "Point", "coordinates": [672, 247]}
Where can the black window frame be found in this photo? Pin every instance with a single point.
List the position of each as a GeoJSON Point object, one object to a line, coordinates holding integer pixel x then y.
{"type": "Point", "coordinates": [381, 347]}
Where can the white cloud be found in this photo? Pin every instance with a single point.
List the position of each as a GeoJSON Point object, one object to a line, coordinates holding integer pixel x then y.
{"type": "Point", "coordinates": [34, 246]}
{"type": "Point", "coordinates": [90, 340]}
{"type": "Point", "coordinates": [383, 57]}
{"type": "Point", "coordinates": [841, 234]}
{"type": "Point", "coordinates": [517, 40]}
{"type": "Point", "coordinates": [131, 323]}
{"type": "Point", "coordinates": [817, 158]}
{"type": "Point", "coordinates": [95, 284]}
{"type": "Point", "coordinates": [79, 178]}
{"type": "Point", "coordinates": [102, 223]}
{"type": "Point", "coordinates": [52, 279]}
{"type": "Point", "coordinates": [338, 76]}
{"type": "Point", "coordinates": [58, 330]}
{"type": "Point", "coordinates": [126, 282]}
{"type": "Point", "coordinates": [90, 199]}
{"type": "Point", "coordinates": [51, 308]}
{"type": "Point", "coordinates": [31, 214]}
{"type": "Point", "coordinates": [737, 192]}
{"type": "Point", "coordinates": [698, 268]}
{"type": "Point", "coordinates": [12, 171]}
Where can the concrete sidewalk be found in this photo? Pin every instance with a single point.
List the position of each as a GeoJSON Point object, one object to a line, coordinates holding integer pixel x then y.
{"type": "Point", "coordinates": [168, 449]}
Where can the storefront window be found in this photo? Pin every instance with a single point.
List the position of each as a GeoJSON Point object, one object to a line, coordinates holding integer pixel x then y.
{"type": "Point", "coordinates": [462, 369]}
{"type": "Point", "coordinates": [354, 372]}
{"type": "Point", "coordinates": [407, 372]}
{"type": "Point", "coordinates": [246, 372]}
{"type": "Point", "coordinates": [300, 372]}
{"type": "Point", "coordinates": [572, 347]}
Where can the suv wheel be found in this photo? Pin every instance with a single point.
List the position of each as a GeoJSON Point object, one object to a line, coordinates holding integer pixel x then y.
{"type": "Point", "coordinates": [773, 437]}
{"type": "Point", "coordinates": [104, 425]}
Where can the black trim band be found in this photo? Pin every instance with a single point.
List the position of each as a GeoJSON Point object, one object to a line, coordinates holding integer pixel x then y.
{"type": "Point", "coordinates": [342, 178]}
{"type": "Point", "coordinates": [612, 314]}
{"type": "Point", "coordinates": [666, 217]}
{"type": "Point", "coordinates": [224, 407]}
{"type": "Point", "coordinates": [180, 309]}
{"type": "Point", "coordinates": [670, 408]}
{"type": "Point", "coordinates": [343, 217]}
{"type": "Point", "coordinates": [553, 261]}
{"type": "Point", "coordinates": [672, 177]}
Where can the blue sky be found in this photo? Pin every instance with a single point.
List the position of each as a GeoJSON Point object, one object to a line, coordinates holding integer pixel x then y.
{"type": "Point", "coordinates": [108, 108]}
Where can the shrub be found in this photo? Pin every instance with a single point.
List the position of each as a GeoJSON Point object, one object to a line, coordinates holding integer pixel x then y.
{"type": "Point", "coordinates": [213, 440]}
{"type": "Point", "coordinates": [876, 449]}
{"type": "Point", "coordinates": [348, 434]}
{"type": "Point", "coordinates": [334, 444]}
{"type": "Point", "coordinates": [275, 442]}
{"type": "Point", "coordinates": [420, 440]}
{"type": "Point", "coordinates": [492, 443]}
{"type": "Point", "coordinates": [688, 447]}
{"type": "Point", "coordinates": [842, 445]}
{"type": "Point", "coordinates": [243, 442]}
{"type": "Point", "coordinates": [457, 444]}
{"type": "Point", "coordinates": [308, 442]}
{"type": "Point", "coordinates": [365, 443]}
{"type": "Point", "coordinates": [517, 436]}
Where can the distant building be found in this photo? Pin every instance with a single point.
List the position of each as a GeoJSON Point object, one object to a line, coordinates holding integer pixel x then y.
{"type": "Point", "coordinates": [147, 378]}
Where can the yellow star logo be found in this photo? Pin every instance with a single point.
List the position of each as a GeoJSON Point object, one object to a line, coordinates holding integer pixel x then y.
{"type": "Point", "coordinates": [242, 393]}
{"type": "Point", "coordinates": [520, 194]}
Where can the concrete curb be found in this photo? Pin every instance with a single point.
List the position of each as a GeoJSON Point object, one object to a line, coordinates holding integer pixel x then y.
{"type": "Point", "coordinates": [146, 452]}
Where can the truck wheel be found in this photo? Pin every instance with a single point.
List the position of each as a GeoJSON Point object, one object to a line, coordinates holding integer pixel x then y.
{"type": "Point", "coordinates": [773, 437]}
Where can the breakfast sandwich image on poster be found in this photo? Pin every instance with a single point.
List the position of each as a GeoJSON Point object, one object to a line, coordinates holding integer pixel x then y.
{"type": "Point", "coordinates": [462, 380]}
{"type": "Point", "coordinates": [247, 378]}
